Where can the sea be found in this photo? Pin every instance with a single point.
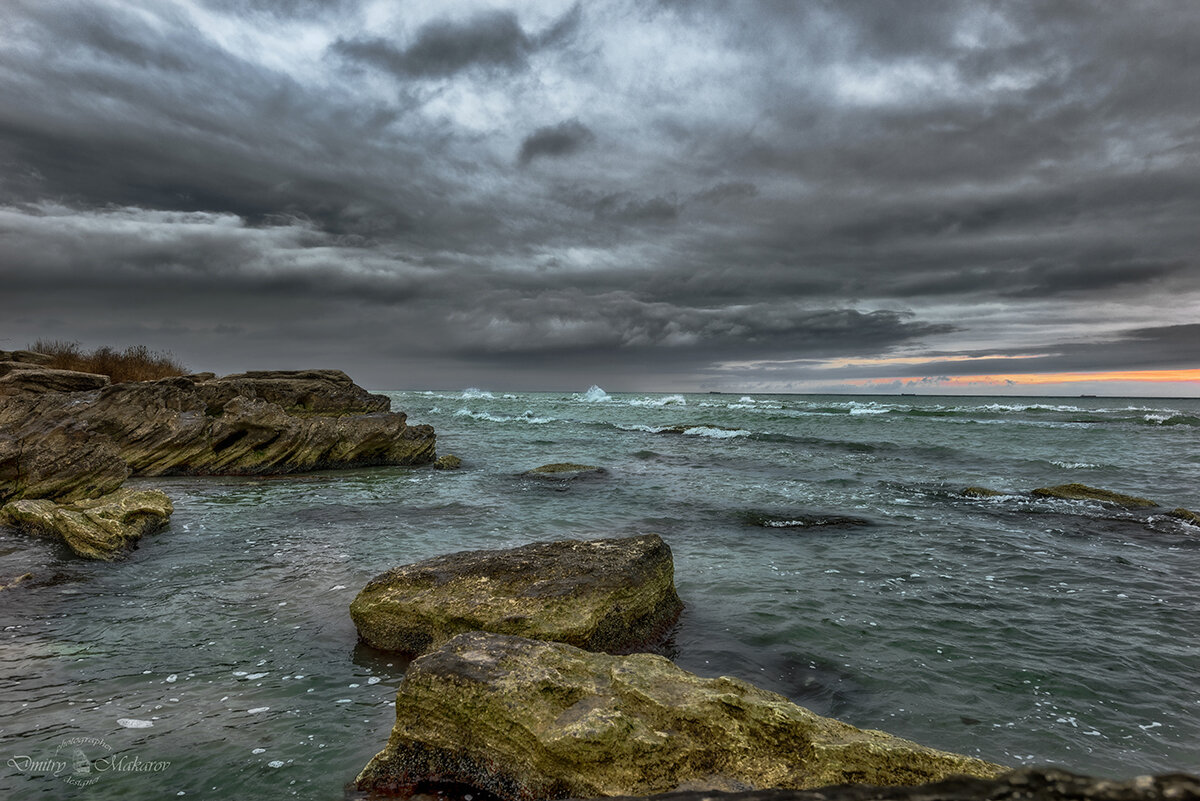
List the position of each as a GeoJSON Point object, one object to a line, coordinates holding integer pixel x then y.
{"type": "Point", "coordinates": [823, 547]}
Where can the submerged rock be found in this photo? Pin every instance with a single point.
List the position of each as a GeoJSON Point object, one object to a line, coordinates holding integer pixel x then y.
{"type": "Point", "coordinates": [980, 492]}
{"type": "Point", "coordinates": [524, 719]}
{"type": "Point", "coordinates": [1031, 784]}
{"type": "Point", "coordinates": [1082, 492]}
{"type": "Point", "coordinates": [1186, 516]}
{"type": "Point", "coordinates": [97, 528]}
{"type": "Point", "coordinates": [447, 462]}
{"type": "Point", "coordinates": [603, 595]}
{"type": "Point", "coordinates": [21, 579]}
{"type": "Point", "coordinates": [805, 520]}
{"type": "Point", "coordinates": [565, 471]}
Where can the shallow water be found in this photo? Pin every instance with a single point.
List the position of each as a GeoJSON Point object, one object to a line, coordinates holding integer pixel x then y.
{"type": "Point", "coordinates": [1023, 631]}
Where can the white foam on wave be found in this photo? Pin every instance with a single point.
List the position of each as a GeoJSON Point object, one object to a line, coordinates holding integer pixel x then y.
{"type": "Point", "coordinates": [867, 408]}
{"type": "Point", "coordinates": [527, 417]}
{"type": "Point", "coordinates": [134, 723]}
{"type": "Point", "coordinates": [716, 433]}
{"type": "Point", "coordinates": [1075, 465]}
{"type": "Point", "coordinates": [666, 400]}
{"type": "Point", "coordinates": [594, 394]}
{"type": "Point", "coordinates": [472, 393]}
{"type": "Point", "coordinates": [640, 427]}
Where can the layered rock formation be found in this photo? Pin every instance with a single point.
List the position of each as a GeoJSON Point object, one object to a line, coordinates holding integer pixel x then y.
{"type": "Point", "coordinates": [524, 719]}
{"type": "Point", "coordinates": [68, 437]}
{"type": "Point", "coordinates": [603, 595]}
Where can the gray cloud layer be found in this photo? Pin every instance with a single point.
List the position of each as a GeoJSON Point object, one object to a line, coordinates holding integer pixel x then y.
{"type": "Point", "coordinates": [634, 195]}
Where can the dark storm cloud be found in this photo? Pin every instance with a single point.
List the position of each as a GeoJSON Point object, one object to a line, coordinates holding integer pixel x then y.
{"type": "Point", "coordinates": [772, 181]}
{"type": "Point", "coordinates": [555, 141]}
{"type": "Point", "coordinates": [490, 40]}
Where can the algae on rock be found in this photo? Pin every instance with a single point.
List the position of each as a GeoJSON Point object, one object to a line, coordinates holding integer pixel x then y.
{"type": "Point", "coordinates": [96, 528]}
{"type": "Point", "coordinates": [1082, 492]}
{"type": "Point", "coordinates": [524, 719]}
{"type": "Point", "coordinates": [608, 595]}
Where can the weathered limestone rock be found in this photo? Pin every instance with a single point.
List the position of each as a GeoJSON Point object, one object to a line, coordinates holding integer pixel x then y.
{"type": "Point", "coordinates": [525, 719]}
{"type": "Point", "coordinates": [167, 427]}
{"type": "Point", "coordinates": [45, 453]}
{"type": "Point", "coordinates": [25, 356]}
{"type": "Point", "coordinates": [603, 595]}
{"type": "Point", "coordinates": [565, 471]}
{"type": "Point", "coordinates": [42, 379]}
{"type": "Point", "coordinates": [297, 391]}
{"type": "Point", "coordinates": [97, 528]}
{"type": "Point", "coordinates": [1033, 784]}
{"type": "Point", "coordinates": [1082, 492]}
{"type": "Point", "coordinates": [447, 462]}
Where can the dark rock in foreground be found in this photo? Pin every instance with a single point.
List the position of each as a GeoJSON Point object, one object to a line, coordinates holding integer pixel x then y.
{"type": "Point", "coordinates": [97, 528]}
{"type": "Point", "coordinates": [1022, 785]}
{"type": "Point", "coordinates": [447, 462]}
{"type": "Point", "coordinates": [1082, 492]}
{"type": "Point", "coordinates": [603, 595]}
{"type": "Point", "coordinates": [524, 719]}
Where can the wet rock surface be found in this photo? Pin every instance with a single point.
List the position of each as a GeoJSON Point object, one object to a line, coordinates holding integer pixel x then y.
{"type": "Point", "coordinates": [1033, 784]}
{"type": "Point", "coordinates": [525, 719]}
{"type": "Point", "coordinates": [605, 595]}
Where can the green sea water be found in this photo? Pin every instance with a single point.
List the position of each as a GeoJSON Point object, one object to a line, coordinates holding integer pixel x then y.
{"type": "Point", "coordinates": [822, 548]}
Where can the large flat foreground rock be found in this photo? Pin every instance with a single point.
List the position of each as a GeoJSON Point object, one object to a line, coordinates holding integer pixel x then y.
{"type": "Point", "coordinates": [1031, 784]}
{"type": "Point", "coordinates": [602, 595]}
{"type": "Point", "coordinates": [525, 719]}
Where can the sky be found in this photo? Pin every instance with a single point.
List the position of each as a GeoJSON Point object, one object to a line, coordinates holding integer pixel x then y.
{"type": "Point", "coordinates": [852, 196]}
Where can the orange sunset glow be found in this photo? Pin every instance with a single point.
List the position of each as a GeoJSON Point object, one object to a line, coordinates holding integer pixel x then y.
{"type": "Point", "coordinates": [1039, 379]}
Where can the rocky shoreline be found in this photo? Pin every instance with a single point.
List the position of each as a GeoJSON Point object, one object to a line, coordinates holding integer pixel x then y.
{"type": "Point", "coordinates": [528, 682]}
{"type": "Point", "coordinates": [69, 440]}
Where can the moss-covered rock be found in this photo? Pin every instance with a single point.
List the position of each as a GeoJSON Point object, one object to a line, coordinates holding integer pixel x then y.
{"type": "Point", "coordinates": [96, 528]}
{"type": "Point", "coordinates": [565, 471]}
{"type": "Point", "coordinates": [1082, 492]}
{"type": "Point", "coordinates": [525, 719]}
{"type": "Point", "coordinates": [447, 462]}
{"type": "Point", "coordinates": [1186, 515]}
{"type": "Point", "coordinates": [604, 595]}
{"type": "Point", "coordinates": [980, 492]}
